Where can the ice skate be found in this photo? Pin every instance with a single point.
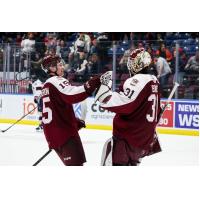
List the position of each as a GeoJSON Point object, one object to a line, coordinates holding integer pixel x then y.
{"type": "Point", "coordinates": [39, 128]}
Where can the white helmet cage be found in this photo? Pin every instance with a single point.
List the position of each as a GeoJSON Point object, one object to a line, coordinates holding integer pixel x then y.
{"type": "Point", "coordinates": [138, 60]}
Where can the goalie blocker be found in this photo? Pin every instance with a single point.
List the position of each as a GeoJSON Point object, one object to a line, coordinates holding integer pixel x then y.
{"type": "Point", "coordinates": [104, 90]}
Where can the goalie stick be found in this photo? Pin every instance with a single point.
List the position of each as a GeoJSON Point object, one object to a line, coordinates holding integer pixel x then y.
{"type": "Point", "coordinates": [106, 159]}
{"type": "Point", "coordinates": [168, 100]}
{"type": "Point", "coordinates": [3, 131]}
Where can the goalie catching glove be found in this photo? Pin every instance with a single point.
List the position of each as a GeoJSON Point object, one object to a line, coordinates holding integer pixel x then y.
{"type": "Point", "coordinates": [104, 90]}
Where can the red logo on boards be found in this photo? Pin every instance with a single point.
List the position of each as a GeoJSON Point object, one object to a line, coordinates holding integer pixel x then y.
{"type": "Point", "coordinates": [167, 119]}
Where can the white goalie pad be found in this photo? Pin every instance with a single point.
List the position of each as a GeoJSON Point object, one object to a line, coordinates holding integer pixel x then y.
{"type": "Point", "coordinates": [105, 88]}
{"type": "Point", "coordinates": [106, 157]}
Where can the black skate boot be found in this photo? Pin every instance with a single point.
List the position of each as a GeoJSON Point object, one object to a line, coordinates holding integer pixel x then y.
{"type": "Point", "coordinates": [39, 128]}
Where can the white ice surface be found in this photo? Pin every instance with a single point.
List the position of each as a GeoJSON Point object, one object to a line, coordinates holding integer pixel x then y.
{"type": "Point", "coordinates": [22, 145]}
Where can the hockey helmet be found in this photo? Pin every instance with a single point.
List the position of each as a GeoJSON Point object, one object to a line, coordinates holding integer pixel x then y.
{"type": "Point", "coordinates": [138, 60]}
{"type": "Point", "coordinates": [50, 61]}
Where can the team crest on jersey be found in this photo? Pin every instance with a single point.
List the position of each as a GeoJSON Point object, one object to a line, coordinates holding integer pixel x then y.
{"type": "Point", "coordinates": [134, 82]}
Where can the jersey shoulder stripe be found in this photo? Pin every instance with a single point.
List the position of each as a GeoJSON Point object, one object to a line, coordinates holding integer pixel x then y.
{"type": "Point", "coordinates": [64, 86]}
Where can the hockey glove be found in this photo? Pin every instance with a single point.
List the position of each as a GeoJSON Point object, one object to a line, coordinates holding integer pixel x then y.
{"type": "Point", "coordinates": [92, 84]}
{"type": "Point", "coordinates": [36, 99]}
{"type": "Point", "coordinates": [80, 123]}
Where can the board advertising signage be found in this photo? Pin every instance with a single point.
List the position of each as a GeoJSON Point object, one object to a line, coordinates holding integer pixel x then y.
{"type": "Point", "coordinates": [167, 119]}
{"type": "Point", "coordinates": [187, 115]}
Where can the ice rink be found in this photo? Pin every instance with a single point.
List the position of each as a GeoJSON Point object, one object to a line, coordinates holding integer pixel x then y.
{"type": "Point", "coordinates": [22, 146]}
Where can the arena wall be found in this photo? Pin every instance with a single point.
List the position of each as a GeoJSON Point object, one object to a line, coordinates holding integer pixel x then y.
{"type": "Point", "coordinates": [181, 116]}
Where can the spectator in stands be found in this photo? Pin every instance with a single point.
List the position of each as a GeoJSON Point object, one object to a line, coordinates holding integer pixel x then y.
{"type": "Point", "coordinates": [165, 52]}
{"type": "Point", "coordinates": [82, 44]}
{"type": "Point", "coordinates": [50, 41]}
{"type": "Point", "coordinates": [152, 68]}
{"type": "Point", "coordinates": [96, 55]}
{"type": "Point", "coordinates": [140, 45]}
{"type": "Point", "coordinates": [40, 47]}
{"type": "Point", "coordinates": [150, 50]}
{"type": "Point", "coordinates": [94, 47]}
{"type": "Point", "coordinates": [163, 69]}
{"type": "Point", "coordinates": [102, 36]}
{"type": "Point", "coordinates": [192, 65]}
{"type": "Point", "coordinates": [58, 47]}
{"type": "Point", "coordinates": [181, 64]}
{"type": "Point", "coordinates": [18, 39]}
{"type": "Point", "coordinates": [28, 44]}
{"type": "Point", "coordinates": [28, 50]}
{"type": "Point", "coordinates": [81, 65]}
{"type": "Point", "coordinates": [103, 45]}
{"type": "Point", "coordinates": [159, 37]}
{"type": "Point", "coordinates": [182, 60]}
{"type": "Point", "coordinates": [62, 50]}
{"type": "Point", "coordinates": [71, 61]}
{"type": "Point", "coordinates": [93, 64]}
{"type": "Point", "coordinates": [150, 36]}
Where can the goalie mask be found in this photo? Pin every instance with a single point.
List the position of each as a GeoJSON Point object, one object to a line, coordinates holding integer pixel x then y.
{"type": "Point", "coordinates": [138, 60]}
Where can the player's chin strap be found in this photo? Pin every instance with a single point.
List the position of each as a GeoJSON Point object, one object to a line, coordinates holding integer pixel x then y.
{"type": "Point", "coordinates": [105, 89]}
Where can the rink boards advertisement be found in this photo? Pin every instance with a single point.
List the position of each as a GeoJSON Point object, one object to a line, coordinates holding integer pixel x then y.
{"type": "Point", "coordinates": [180, 115]}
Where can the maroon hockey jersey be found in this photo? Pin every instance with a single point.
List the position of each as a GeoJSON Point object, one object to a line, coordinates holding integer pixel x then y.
{"type": "Point", "coordinates": [58, 116]}
{"type": "Point", "coordinates": [137, 108]}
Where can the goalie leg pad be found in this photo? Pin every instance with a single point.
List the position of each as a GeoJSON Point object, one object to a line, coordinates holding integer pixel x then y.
{"type": "Point", "coordinates": [106, 158]}
{"type": "Point", "coordinates": [124, 154]}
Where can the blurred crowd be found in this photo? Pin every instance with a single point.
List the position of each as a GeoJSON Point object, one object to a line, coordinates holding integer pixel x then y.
{"type": "Point", "coordinates": [92, 52]}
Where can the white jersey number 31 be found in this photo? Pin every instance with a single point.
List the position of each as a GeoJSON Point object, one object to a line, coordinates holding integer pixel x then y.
{"type": "Point", "coordinates": [153, 116]}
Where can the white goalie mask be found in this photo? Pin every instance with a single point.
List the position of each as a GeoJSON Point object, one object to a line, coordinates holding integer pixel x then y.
{"type": "Point", "coordinates": [138, 60]}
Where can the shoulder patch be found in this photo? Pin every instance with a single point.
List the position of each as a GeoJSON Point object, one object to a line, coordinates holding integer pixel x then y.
{"type": "Point", "coordinates": [134, 82]}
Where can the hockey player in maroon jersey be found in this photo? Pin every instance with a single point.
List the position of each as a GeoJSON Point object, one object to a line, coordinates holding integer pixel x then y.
{"type": "Point", "coordinates": [137, 107]}
{"type": "Point", "coordinates": [58, 117]}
